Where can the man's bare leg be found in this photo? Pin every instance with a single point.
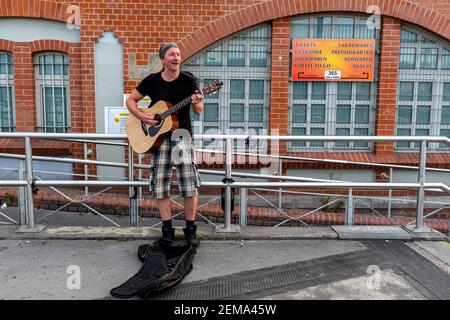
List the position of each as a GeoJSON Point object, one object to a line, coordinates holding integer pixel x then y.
{"type": "Point", "coordinates": [164, 208]}
{"type": "Point", "coordinates": [190, 207]}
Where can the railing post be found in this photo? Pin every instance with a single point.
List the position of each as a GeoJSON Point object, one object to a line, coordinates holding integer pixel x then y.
{"type": "Point", "coordinates": [349, 209]}
{"type": "Point", "coordinates": [421, 181]}
{"type": "Point", "coordinates": [140, 157]}
{"type": "Point", "coordinates": [30, 226]}
{"type": "Point", "coordinates": [280, 190]}
{"type": "Point", "coordinates": [86, 171]}
{"type": "Point", "coordinates": [22, 196]}
{"type": "Point", "coordinates": [132, 190]}
{"type": "Point", "coordinates": [228, 168]}
{"type": "Point", "coordinates": [391, 173]}
{"type": "Point", "coordinates": [243, 207]}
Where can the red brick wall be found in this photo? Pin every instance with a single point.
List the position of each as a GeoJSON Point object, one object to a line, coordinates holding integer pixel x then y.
{"type": "Point", "coordinates": [387, 86]}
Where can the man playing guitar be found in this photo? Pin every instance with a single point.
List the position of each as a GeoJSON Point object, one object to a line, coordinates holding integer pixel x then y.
{"type": "Point", "coordinates": [172, 85]}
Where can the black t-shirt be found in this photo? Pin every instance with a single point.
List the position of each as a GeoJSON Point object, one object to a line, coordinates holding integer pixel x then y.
{"type": "Point", "coordinates": [173, 92]}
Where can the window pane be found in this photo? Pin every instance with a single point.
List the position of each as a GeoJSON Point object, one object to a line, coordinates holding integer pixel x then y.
{"type": "Point", "coordinates": [237, 112]}
{"type": "Point", "coordinates": [425, 91]}
{"type": "Point", "coordinates": [406, 91]}
{"type": "Point", "coordinates": [6, 65]}
{"type": "Point", "coordinates": [299, 113]}
{"type": "Point", "coordinates": [407, 36]}
{"type": "Point", "coordinates": [361, 132]}
{"type": "Point", "coordinates": [445, 115]}
{"type": "Point", "coordinates": [367, 28]}
{"type": "Point", "coordinates": [298, 132]}
{"type": "Point", "coordinates": [342, 132]}
{"type": "Point", "coordinates": [344, 28]}
{"type": "Point", "coordinates": [407, 58]}
{"type": "Point", "coordinates": [404, 115]}
{"type": "Point", "coordinates": [256, 89]}
{"type": "Point", "coordinates": [344, 91]}
{"type": "Point", "coordinates": [236, 55]}
{"type": "Point", "coordinates": [323, 27]}
{"type": "Point", "coordinates": [423, 115]}
{"type": "Point", "coordinates": [363, 91]}
{"type": "Point", "coordinates": [319, 90]}
{"type": "Point", "coordinates": [403, 132]}
{"type": "Point", "coordinates": [317, 132]}
{"type": "Point", "coordinates": [300, 28]}
{"type": "Point", "coordinates": [444, 133]}
{"type": "Point", "coordinates": [362, 113]}
{"type": "Point", "coordinates": [211, 112]}
{"type": "Point", "coordinates": [6, 111]}
{"type": "Point", "coordinates": [446, 93]}
{"type": "Point", "coordinates": [255, 112]}
{"type": "Point", "coordinates": [258, 55]}
{"type": "Point", "coordinates": [55, 109]}
{"type": "Point", "coordinates": [237, 89]}
{"type": "Point", "coordinates": [445, 64]}
{"type": "Point", "coordinates": [214, 57]}
{"type": "Point", "coordinates": [300, 89]}
{"type": "Point", "coordinates": [318, 113]}
{"type": "Point", "coordinates": [428, 58]}
{"type": "Point", "coordinates": [343, 113]}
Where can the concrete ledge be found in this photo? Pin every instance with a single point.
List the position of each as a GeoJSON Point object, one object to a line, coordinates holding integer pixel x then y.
{"type": "Point", "coordinates": [136, 233]}
{"type": "Point", "coordinates": [372, 232]}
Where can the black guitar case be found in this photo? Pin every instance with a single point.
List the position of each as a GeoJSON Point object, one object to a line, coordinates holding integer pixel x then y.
{"type": "Point", "coordinates": [164, 265]}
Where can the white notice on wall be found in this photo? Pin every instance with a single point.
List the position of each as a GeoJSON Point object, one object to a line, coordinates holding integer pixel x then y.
{"type": "Point", "coordinates": [115, 118]}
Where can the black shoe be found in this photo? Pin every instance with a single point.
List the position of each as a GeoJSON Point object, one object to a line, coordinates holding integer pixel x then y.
{"type": "Point", "coordinates": [190, 235]}
{"type": "Point", "coordinates": [168, 234]}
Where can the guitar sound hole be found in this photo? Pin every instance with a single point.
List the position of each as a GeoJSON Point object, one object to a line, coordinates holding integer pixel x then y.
{"type": "Point", "coordinates": [157, 118]}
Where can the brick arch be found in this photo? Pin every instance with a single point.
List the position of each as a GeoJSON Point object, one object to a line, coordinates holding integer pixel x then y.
{"type": "Point", "coordinates": [273, 9]}
{"type": "Point", "coordinates": [6, 45]}
{"type": "Point", "coordinates": [49, 45]}
{"type": "Point", "coordinates": [34, 9]}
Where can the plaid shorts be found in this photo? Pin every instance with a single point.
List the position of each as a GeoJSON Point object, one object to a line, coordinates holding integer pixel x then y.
{"type": "Point", "coordinates": [182, 155]}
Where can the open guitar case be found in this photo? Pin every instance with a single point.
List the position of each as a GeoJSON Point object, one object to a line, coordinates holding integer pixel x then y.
{"type": "Point", "coordinates": [165, 264]}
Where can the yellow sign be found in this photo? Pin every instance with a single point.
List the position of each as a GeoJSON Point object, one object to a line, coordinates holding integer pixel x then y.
{"type": "Point", "coordinates": [333, 59]}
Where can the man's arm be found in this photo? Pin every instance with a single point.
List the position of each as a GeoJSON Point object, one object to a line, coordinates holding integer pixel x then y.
{"type": "Point", "coordinates": [131, 103]}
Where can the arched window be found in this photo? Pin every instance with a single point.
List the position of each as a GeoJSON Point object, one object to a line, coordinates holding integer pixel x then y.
{"type": "Point", "coordinates": [52, 92]}
{"type": "Point", "coordinates": [242, 63]}
{"type": "Point", "coordinates": [7, 117]}
{"type": "Point", "coordinates": [328, 108]}
{"type": "Point", "coordinates": [423, 95]}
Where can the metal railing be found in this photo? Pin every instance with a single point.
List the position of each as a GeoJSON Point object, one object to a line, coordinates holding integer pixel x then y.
{"type": "Point", "coordinates": [29, 182]}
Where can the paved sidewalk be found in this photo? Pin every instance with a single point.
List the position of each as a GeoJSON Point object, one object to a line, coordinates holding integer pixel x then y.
{"type": "Point", "coordinates": [281, 263]}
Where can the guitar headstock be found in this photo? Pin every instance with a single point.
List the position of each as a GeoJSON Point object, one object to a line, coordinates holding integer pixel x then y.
{"type": "Point", "coordinates": [214, 86]}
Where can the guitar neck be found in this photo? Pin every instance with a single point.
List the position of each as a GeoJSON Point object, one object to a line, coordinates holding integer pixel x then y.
{"type": "Point", "coordinates": [176, 107]}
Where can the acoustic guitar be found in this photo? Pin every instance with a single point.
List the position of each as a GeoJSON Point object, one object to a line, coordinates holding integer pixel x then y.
{"type": "Point", "coordinates": [148, 138]}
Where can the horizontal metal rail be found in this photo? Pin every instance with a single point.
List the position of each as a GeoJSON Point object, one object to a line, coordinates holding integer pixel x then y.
{"type": "Point", "coordinates": [116, 136]}
{"type": "Point", "coordinates": [421, 186]}
{"type": "Point", "coordinates": [337, 185]}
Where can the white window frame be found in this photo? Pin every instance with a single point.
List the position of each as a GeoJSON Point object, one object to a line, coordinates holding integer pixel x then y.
{"type": "Point", "coordinates": [417, 75]}
{"type": "Point", "coordinates": [51, 81]}
{"type": "Point", "coordinates": [7, 80]}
